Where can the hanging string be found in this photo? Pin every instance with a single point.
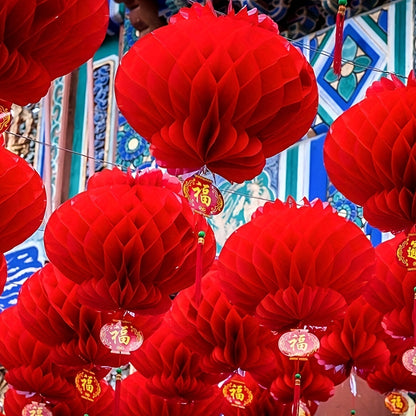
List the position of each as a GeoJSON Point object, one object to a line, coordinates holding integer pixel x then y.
{"type": "Point", "coordinates": [296, 395]}
{"type": "Point", "coordinates": [47, 160]}
{"type": "Point", "coordinates": [117, 392]}
{"type": "Point", "coordinates": [199, 266]}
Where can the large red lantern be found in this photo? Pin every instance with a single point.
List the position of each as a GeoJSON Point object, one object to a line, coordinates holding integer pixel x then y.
{"type": "Point", "coordinates": [42, 40]}
{"type": "Point", "coordinates": [391, 290]}
{"type": "Point", "coordinates": [22, 196]}
{"type": "Point", "coordinates": [130, 242]}
{"type": "Point", "coordinates": [14, 402]}
{"type": "Point", "coordinates": [29, 362]}
{"type": "Point", "coordinates": [49, 307]}
{"type": "Point", "coordinates": [224, 92]}
{"type": "Point", "coordinates": [138, 401]}
{"type": "Point", "coordinates": [370, 154]}
{"type": "Point", "coordinates": [355, 342]}
{"type": "Point", "coordinates": [394, 376]}
{"type": "Point", "coordinates": [316, 385]}
{"type": "Point", "coordinates": [294, 266]}
{"type": "Point", "coordinates": [226, 338]}
{"type": "Point", "coordinates": [172, 370]}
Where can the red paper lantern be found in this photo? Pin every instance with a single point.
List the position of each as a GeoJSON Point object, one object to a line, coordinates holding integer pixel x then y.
{"type": "Point", "coordinates": [22, 196]}
{"type": "Point", "coordinates": [29, 363]}
{"type": "Point", "coordinates": [41, 41]}
{"type": "Point", "coordinates": [173, 370]}
{"type": "Point", "coordinates": [226, 338]}
{"type": "Point", "coordinates": [390, 290]}
{"type": "Point", "coordinates": [370, 154]}
{"type": "Point", "coordinates": [40, 305]}
{"type": "Point", "coordinates": [49, 306]}
{"type": "Point", "coordinates": [103, 406]}
{"type": "Point", "coordinates": [317, 384]}
{"type": "Point", "coordinates": [129, 242]}
{"type": "Point", "coordinates": [295, 266]}
{"type": "Point", "coordinates": [224, 92]}
{"type": "Point", "coordinates": [356, 341]}
{"type": "Point", "coordinates": [138, 401]}
{"type": "Point", "coordinates": [391, 377]}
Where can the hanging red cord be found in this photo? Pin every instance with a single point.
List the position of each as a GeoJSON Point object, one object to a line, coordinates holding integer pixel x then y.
{"type": "Point", "coordinates": [198, 272]}
{"type": "Point", "coordinates": [339, 35]}
{"type": "Point", "coordinates": [296, 395]}
{"type": "Point", "coordinates": [117, 393]}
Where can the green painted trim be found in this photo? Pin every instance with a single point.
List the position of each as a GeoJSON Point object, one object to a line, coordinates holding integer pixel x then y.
{"type": "Point", "coordinates": [292, 158]}
{"type": "Point", "coordinates": [78, 132]}
{"type": "Point", "coordinates": [322, 45]}
{"type": "Point", "coordinates": [400, 38]}
{"type": "Point", "coordinates": [109, 47]}
{"type": "Point", "coordinates": [324, 115]}
{"type": "Point", "coordinates": [375, 27]}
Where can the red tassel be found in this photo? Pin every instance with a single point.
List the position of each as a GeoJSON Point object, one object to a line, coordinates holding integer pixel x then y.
{"type": "Point", "coordinates": [339, 36]}
{"type": "Point", "coordinates": [198, 273]}
{"type": "Point", "coordinates": [296, 395]}
{"type": "Point", "coordinates": [117, 393]}
{"type": "Point", "coordinates": [230, 6]}
{"type": "Point", "coordinates": [414, 316]}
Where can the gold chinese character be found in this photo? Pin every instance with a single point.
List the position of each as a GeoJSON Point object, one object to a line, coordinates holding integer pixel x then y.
{"type": "Point", "coordinates": [86, 383]}
{"type": "Point", "coordinates": [298, 342]}
{"type": "Point", "coordinates": [397, 402]}
{"type": "Point", "coordinates": [124, 338]}
{"type": "Point", "coordinates": [236, 392]}
{"type": "Point", "coordinates": [197, 190]}
{"type": "Point", "coordinates": [35, 412]}
{"type": "Point", "coordinates": [205, 198]}
{"type": "Point", "coordinates": [411, 251]}
{"type": "Point", "coordinates": [120, 337]}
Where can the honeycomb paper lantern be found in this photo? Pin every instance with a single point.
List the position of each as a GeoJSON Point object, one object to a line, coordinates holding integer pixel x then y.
{"type": "Point", "coordinates": [356, 341]}
{"type": "Point", "coordinates": [224, 92]}
{"type": "Point", "coordinates": [292, 266]}
{"type": "Point", "coordinates": [129, 244]}
{"type": "Point", "coordinates": [226, 338]}
{"type": "Point", "coordinates": [29, 365]}
{"type": "Point", "coordinates": [22, 199]}
{"type": "Point", "coordinates": [138, 401]}
{"type": "Point", "coordinates": [42, 40]}
{"type": "Point", "coordinates": [173, 370]}
{"type": "Point", "coordinates": [370, 154]}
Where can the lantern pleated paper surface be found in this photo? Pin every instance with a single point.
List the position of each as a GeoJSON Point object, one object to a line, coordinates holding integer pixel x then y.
{"type": "Point", "coordinates": [292, 266]}
{"type": "Point", "coordinates": [42, 40]}
{"type": "Point", "coordinates": [129, 242]}
{"type": "Point", "coordinates": [222, 92]}
{"type": "Point", "coordinates": [22, 199]}
{"type": "Point", "coordinates": [370, 154]}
